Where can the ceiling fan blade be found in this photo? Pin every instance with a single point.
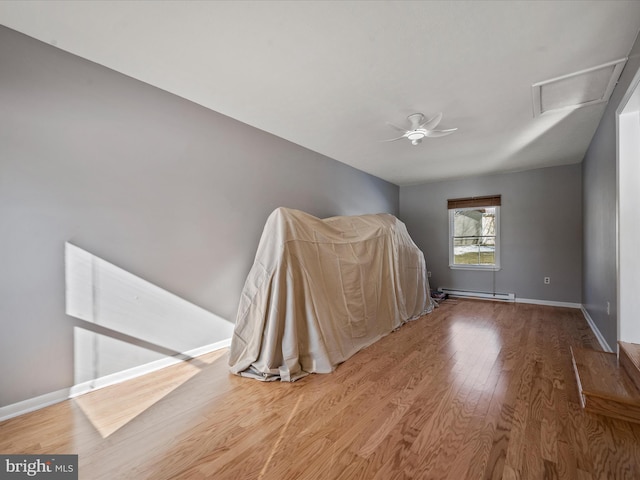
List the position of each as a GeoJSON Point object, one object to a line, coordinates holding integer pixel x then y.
{"type": "Point", "coordinates": [394, 139]}
{"type": "Point", "coordinates": [432, 123]}
{"type": "Point", "coordinates": [403, 130]}
{"type": "Point", "coordinates": [440, 133]}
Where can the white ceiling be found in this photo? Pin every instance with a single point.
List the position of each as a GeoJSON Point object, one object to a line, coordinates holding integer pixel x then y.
{"type": "Point", "coordinates": [329, 75]}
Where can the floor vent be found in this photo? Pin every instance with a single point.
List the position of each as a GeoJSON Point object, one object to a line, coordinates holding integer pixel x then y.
{"type": "Point", "coordinates": [505, 297]}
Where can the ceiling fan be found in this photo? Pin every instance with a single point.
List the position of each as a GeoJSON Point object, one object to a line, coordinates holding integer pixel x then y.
{"type": "Point", "coordinates": [421, 128]}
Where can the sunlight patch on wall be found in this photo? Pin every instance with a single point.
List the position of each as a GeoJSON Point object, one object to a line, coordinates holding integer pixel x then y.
{"type": "Point", "coordinates": [97, 356]}
{"type": "Point", "coordinates": [131, 327]}
{"type": "Point", "coordinates": [106, 295]}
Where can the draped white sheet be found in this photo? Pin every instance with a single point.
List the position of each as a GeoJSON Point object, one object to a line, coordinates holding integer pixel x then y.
{"type": "Point", "coordinates": [322, 289]}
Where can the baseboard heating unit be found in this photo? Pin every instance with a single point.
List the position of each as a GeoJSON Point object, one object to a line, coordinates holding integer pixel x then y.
{"type": "Point", "coordinates": [505, 297]}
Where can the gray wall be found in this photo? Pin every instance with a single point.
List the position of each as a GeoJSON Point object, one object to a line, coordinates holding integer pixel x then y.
{"type": "Point", "coordinates": [600, 212]}
{"type": "Point", "coordinates": [160, 188]}
{"type": "Point", "coordinates": [541, 232]}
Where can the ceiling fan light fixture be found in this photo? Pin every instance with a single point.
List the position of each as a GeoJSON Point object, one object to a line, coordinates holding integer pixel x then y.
{"type": "Point", "coordinates": [416, 136]}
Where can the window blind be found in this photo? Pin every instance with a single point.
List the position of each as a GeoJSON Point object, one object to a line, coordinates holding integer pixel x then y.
{"type": "Point", "coordinates": [470, 202]}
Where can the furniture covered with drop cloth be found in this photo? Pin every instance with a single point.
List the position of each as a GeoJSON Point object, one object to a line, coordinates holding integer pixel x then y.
{"type": "Point", "coordinates": [320, 290]}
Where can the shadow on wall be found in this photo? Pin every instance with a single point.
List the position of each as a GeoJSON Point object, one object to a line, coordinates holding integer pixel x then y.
{"type": "Point", "coordinates": [129, 323]}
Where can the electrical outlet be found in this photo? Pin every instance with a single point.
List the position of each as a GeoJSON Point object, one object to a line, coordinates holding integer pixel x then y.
{"type": "Point", "coordinates": [547, 280]}
{"type": "Point", "coordinates": [428, 274]}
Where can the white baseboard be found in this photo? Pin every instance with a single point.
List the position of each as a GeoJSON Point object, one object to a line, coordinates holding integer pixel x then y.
{"type": "Point", "coordinates": [603, 343]}
{"type": "Point", "coordinates": [41, 401]}
{"type": "Point", "coordinates": [549, 303]}
{"type": "Point", "coordinates": [32, 404]}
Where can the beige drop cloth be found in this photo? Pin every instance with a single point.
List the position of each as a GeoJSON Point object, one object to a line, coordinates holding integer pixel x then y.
{"type": "Point", "coordinates": [322, 289]}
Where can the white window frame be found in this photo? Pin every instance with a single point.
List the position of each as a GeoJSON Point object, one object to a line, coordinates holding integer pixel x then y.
{"type": "Point", "coordinates": [458, 266]}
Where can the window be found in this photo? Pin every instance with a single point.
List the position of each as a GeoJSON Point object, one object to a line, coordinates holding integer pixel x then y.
{"type": "Point", "coordinates": [474, 233]}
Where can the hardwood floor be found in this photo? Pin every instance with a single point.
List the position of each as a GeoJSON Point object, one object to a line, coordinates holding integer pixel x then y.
{"type": "Point", "coordinates": [474, 390]}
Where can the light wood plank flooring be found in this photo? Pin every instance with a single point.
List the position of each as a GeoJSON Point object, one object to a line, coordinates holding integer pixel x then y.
{"type": "Point", "coordinates": [474, 390]}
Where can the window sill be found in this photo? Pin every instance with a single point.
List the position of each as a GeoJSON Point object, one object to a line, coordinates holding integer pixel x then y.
{"type": "Point", "coordinates": [493, 268]}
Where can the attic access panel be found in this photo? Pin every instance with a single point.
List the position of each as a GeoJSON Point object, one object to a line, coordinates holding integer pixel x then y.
{"type": "Point", "coordinates": [575, 90]}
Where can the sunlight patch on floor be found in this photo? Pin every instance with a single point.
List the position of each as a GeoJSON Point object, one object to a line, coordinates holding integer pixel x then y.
{"type": "Point", "coordinates": [111, 408]}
